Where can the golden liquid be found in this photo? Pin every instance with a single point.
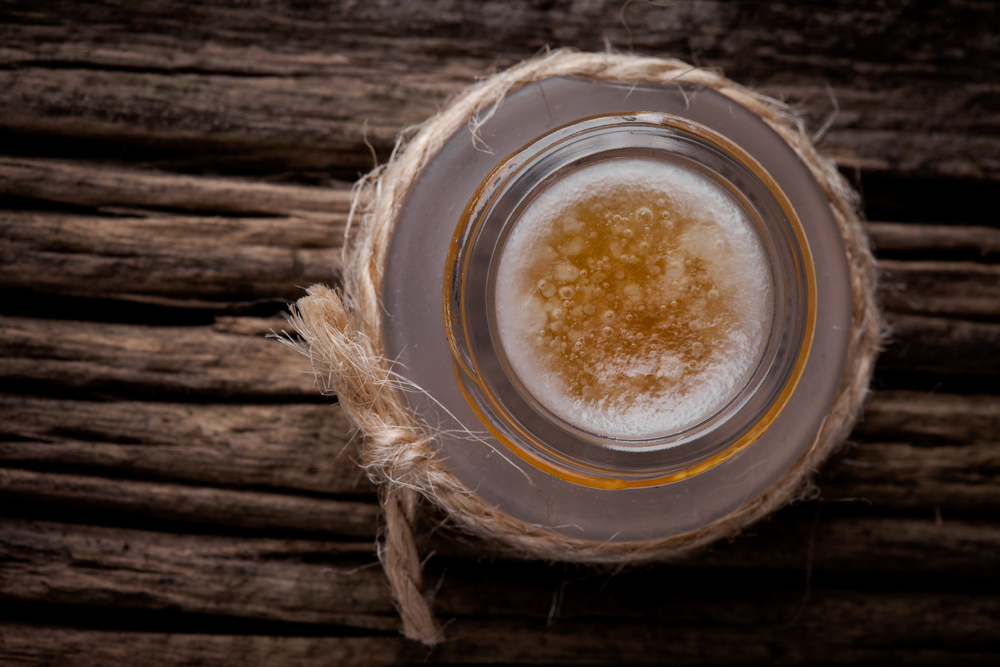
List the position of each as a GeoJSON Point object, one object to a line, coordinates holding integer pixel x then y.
{"type": "Point", "coordinates": [632, 297]}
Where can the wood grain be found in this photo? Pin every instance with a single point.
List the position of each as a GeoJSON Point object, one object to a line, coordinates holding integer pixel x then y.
{"type": "Point", "coordinates": [102, 185]}
{"type": "Point", "coordinates": [275, 88]}
{"type": "Point", "coordinates": [973, 242]}
{"type": "Point", "coordinates": [962, 289]}
{"type": "Point", "coordinates": [286, 447]}
{"type": "Point", "coordinates": [249, 578]}
{"type": "Point", "coordinates": [175, 490]}
{"type": "Point", "coordinates": [192, 361]}
{"type": "Point", "coordinates": [61, 647]}
{"type": "Point", "coordinates": [283, 580]}
{"type": "Point", "coordinates": [833, 631]}
{"type": "Point", "coordinates": [940, 345]}
{"type": "Point", "coordinates": [928, 418]}
{"type": "Point", "coordinates": [234, 121]}
{"type": "Point", "coordinates": [225, 508]}
{"type": "Point", "coordinates": [178, 261]}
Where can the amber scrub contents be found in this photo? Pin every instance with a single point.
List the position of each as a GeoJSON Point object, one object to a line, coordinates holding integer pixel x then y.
{"type": "Point", "coordinates": [633, 298]}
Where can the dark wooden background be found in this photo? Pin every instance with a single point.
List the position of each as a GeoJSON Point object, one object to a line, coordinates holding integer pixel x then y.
{"type": "Point", "coordinates": [174, 491]}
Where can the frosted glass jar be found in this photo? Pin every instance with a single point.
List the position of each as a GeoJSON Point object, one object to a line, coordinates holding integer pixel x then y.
{"type": "Point", "coordinates": [542, 460]}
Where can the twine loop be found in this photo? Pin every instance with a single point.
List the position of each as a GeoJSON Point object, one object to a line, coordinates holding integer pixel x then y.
{"type": "Point", "coordinates": [342, 334]}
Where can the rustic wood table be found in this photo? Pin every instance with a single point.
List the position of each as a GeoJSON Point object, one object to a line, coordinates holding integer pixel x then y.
{"type": "Point", "coordinates": [174, 490]}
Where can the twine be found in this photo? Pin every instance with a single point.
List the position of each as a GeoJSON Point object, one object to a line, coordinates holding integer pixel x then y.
{"type": "Point", "coordinates": [342, 335]}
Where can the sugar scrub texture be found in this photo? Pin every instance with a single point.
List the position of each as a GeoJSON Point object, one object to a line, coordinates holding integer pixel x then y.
{"type": "Point", "coordinates": [633, 298]}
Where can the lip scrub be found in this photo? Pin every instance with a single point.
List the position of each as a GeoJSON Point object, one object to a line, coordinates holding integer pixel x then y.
{"type": "Point", "coordinates": [633, 298]}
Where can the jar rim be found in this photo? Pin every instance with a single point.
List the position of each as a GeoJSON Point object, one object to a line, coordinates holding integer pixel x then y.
{"type": "Point", "coordinates": [549, 443]}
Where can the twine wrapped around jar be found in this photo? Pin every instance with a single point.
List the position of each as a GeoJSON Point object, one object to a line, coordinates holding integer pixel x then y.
{"type": "Point", "coordinates": [342, 333]}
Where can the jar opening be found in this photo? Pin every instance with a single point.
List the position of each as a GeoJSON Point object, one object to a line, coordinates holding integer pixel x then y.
{"type": "Point", "coordinates": [629, 300]}
{"type": "Point", "coordinates": [633, 298]}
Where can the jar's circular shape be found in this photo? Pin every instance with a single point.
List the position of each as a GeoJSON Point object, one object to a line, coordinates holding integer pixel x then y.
{"type": "Point", "coordinates": [594, 307]}
{"type": "Point", "coordinates": [663, 152]}
{"type": "Point", "coordinates": [416, 339]}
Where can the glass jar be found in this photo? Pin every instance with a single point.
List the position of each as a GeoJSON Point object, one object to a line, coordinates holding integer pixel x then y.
{"type": "Point", "coordinates": [501, 429]}
{"type": "Point", "coordinates": [725, 404]}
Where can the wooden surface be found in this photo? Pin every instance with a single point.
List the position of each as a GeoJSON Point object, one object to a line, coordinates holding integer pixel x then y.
{"type": "Point", "coordinates": [174, 490]}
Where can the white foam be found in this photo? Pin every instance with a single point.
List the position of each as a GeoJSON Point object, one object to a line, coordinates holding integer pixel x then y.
{"type": "Point", "coordinates": [724, 240]}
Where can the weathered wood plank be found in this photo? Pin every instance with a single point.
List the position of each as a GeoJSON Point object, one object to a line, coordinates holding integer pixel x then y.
{"type": "Point", "coordinates": [848, 638]}
{"type": "Point", "coordinates": [301, 447]}
{"type": "Point", "coordinates": [226, 508]}
{"type": "Point", "coordinates": [34, 646]}
{"type": "Point", "coordinates": [747, 38]}
{"type": "Point", "coordinates": [251, 124]}
{"type": "Point", "coordinates": [915, 451]}
{"type": "Point", "coordinates": [319, 582]}
{"type": "Point", "coordinates": [982, 243]}
{"type": "Point", "coordinates": [147, 254]}
{"type": "Point", "coordinates": [835, 628]}
{"type": "Point", "coordinates": [939, 345]}
{"type": "Point", "coordinates": [197, 360]}
{"type": "Point", "coordinates": [964, 289]}
{"type": "Point", "coordinates": [102, 185]}
{"type": "Point", "coordinates": [207, 262]}
{"type": "Point", "coordinates": [829, 542]}
{"type": "Point", "coordinates": [927, 418]}
{"type": "Point", "coordinates": [278, 580]}
{"type": "Point", "coordinates": [912, 153]}
{"type": "Point", "coordinates": [902, 476]}
{"type": "Point", "coordinates": [892, 546]}
{"type": "Point", "coordinates": [801, 37]}
{"type": "Point", "coordinates": [138, 78]}
{"type": "Point", "coordinates": [241, 124]}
